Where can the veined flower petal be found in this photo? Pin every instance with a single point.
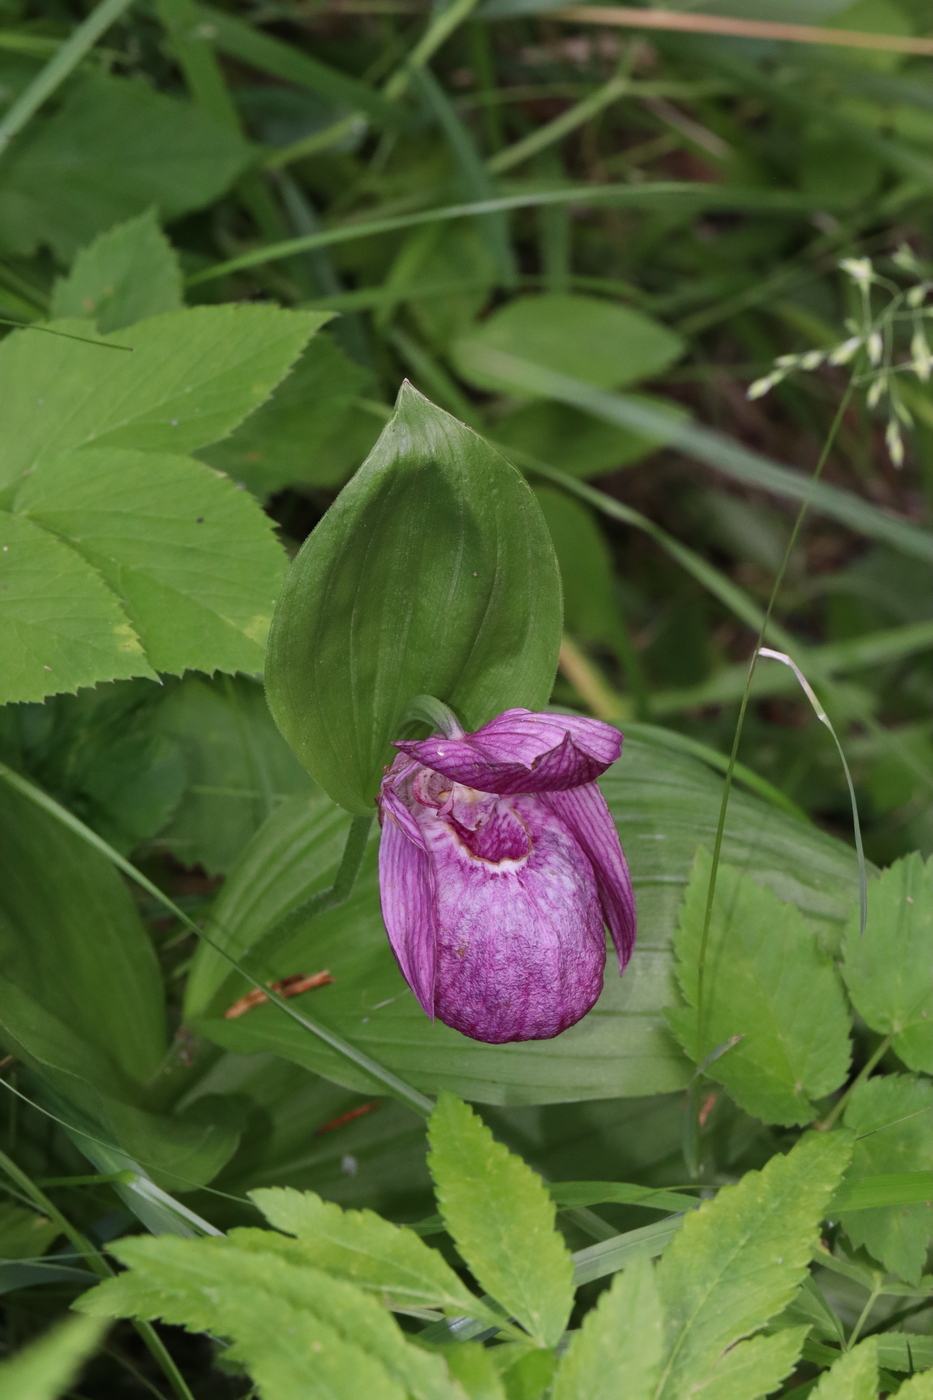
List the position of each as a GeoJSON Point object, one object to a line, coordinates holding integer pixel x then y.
{"type": "Point", "coordinates": [407, 892]}
{"type": "Point", "coordinates": [585, 813]}
{"type": "Point", "coordinates": [523, 751]}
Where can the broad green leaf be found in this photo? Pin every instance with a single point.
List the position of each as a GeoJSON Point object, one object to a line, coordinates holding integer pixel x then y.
{"type": "Point", "coordinates": [128, 273]}
{"type": "Point", "coordinates": [753, 1369]}
{"type": "Point", "coordinates": [432, 573]}
{"type": "Point", "coordinates": [46, 1368]}
{"type": "Point", "coordinates": [193, 562]}
{"type": "Point", "coordinates": [73, 941]}
{"type": "Point", "coordinates": [501, 1218]}
{"type": "Point", "coordinates": [663, 801]}
{"type": "Point", "coordinates": [766, 981]}
{"type": "Point", "coordinates": [445, 254]}
{"type": "Point", "coordinates": [905, 1351]}
{"type": "Point", "coordinates": [853, 1377]}
{"type": "Point", "coordinates": [892, 1118]}
{"type": "Point", "coordinates": [299, 1331]}
{"type": "Point", "coordinates": [362, 1248]}
{"type": "Point", "coordinates": [598, 342]}
{"type": "Point", "coordinates": [312, 431]}
{"type": "Point", "coordinates": [240, 770]}
{"type": "Point", "coordinates": [24, 1234]}
{"type": "Point", "coordinates": [62, 627]}
{"type": "Point", "coordinates": [113, 149]}
{"type": "Point", "coordinates": [574, 441]}
{"type": "Point", "coordinates": [618, 1348]}
{"type": "Point", "coordinates": [887, 969]}
{"type": "Point", "coordinates": [294, 855]}
{"type": "Point", "coordinates": [192, 376]}
{"type": "Point", "coordinates": [737, 1261]}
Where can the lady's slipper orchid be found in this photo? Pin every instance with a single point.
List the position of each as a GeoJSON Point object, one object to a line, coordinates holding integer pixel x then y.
{"type": "Point", "coordinates": [498, 866]}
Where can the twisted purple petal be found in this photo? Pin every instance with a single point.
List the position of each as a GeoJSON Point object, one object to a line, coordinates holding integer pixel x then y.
{"type": "Point", "coordinates": [521, 751]}
{"type": "Point", "coordinates": [586, 815]}
{"type": "Point", "coordinates": [407, 892]}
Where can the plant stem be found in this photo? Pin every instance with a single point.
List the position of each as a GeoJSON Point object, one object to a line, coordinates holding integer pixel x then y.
{"type": "Point", "coordinates": [839, 1106]}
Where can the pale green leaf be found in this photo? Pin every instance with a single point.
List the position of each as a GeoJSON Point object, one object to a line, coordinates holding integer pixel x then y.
{"type": "Point", "coordinates": [288, 1323]}
{"type": "Point", "coordinates": [61, 626]}
{"type": "Point", "coordinates": [618, 1348]}
{"type": "Point", "coordinates": [887, 969]}
{"type": "Point", "coordinates": [126, 274]}
{"type": "Point", "coordinates": [113, 149]}
{"type": "Point", "coordinates": [472, 1366]}
{"type": "Point", "coordinates": [918, 1387]}
{"type": "Point", "coordinates": [240, 769]}
{"type": "Point", "coordinates": [892, 1118]}
{"type": "Point", "coordinates": [596, 341]}
{"type": "Point", "coordinates": [853, 1377]}
{"type": "Point", "coordinates": [192, 376]}
{"type": "Point", "coordinates": [193, 561]}
{"type": "Point", "coordinates": [501, 1218]}
{"type": "Point", "coordinates": [574, 441]}
{"type": "Point", "coordinates": [362, 1248]}
{"type": "Point", "coordinates": [46, 1368]}
{"type": "Point", "coordinates": [753, 1369]}
{"type": "Point", "coordinates": [766, 981]}
{"type": "Point", "coordinates": [738, 1260]}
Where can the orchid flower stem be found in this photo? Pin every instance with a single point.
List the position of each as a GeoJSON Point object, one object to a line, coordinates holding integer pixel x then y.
{"type": "Point", "coordinates": [427, 709]}
{"type": "Point", "coordinates": [743, 708]}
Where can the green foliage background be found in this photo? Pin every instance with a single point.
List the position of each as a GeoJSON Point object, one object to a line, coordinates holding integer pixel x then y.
{"type": "Point", "coordinates": [246, 225]}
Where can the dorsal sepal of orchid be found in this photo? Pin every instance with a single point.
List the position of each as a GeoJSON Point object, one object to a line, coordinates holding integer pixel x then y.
{"type": "Point", "coordinates": [522, 751]}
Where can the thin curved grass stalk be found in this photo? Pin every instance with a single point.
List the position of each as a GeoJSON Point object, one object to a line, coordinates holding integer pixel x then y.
{"type": "Point", "coordinates": [65, 335]}
{"type": "Point", "coordinates": [824, 719]}
{"type": "Point", "coordinates": [740, 722]}
{"type": "Point", "coordinates": [396, 1086]}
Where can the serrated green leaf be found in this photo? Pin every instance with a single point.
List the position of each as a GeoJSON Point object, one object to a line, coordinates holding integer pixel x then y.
{"type": "Point", "coordinates": [501, 1218]}
{"type": "Point", "coordinates": [312, 430]}
{"type": "Point", "coordinates": [114, 148]}
{"type": "Point", "coordinates": [46, 1368]}
{"type": "Point", "coordinates": [891, 1118]}
{"type": "Point", "coordinates": [193, 562]}
{"type": "Point", "coordinates": [62, 627]}
{"type": "Point", "coordinates": [432, 573]}
{"type": "Point", "coordinates": [192, 377]}
{"type": "Point", "coordinates": [853, 1377]}
{"type": "Point", "coordinates": [293, 1326]}
{"type": "Point", "coordinates": [472, 1366]}
{"type": "Point", "coordinates": [596, 341]}
{"type": "Point", "coordinates": [361, 1247]}
{"type": "Point", "coordinates": [766, 981]}
{"type": "Point", "coordinates": [737, 1261]}
{"type": "Point", "coordinates": [753, 1369]}
{"type": "Point", "coordinates": [917, 1387]}
{"type": "Point", "coordinates": [126, 274]}
{"type": "Point", "coordinates": [618, 1348]}
{"type": "Point", "coordinates": [240, 770]}
{"type": "Point", "coordinates": [905, 1351]}
{"type": "Point", "coordinates": [887, 969]}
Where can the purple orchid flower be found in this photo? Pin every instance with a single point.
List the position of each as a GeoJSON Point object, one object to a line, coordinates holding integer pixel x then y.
{"type": "Point", "coordinates": [498, 866]}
